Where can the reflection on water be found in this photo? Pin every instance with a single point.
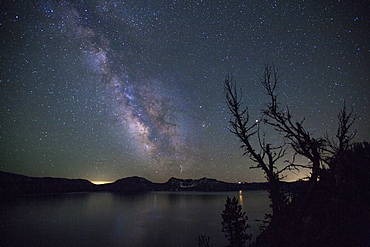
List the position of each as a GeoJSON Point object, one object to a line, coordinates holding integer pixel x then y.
{"type": "Point", "coordinates": [241, 197]}
{"type": "Point", "coordinates": [107, 219]}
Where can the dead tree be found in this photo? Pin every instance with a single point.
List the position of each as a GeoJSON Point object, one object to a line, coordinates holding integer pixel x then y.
{"type": "Point", "coordinates": [338, 147]}
{"type": "Point", "coordinates": [321, 152]}
{"type": "Point", "coordinates": [300, 139]}
{"type": "Point", "coordinates": [330, 160]}
{"type": "Point", "coordinates": [266, 156]}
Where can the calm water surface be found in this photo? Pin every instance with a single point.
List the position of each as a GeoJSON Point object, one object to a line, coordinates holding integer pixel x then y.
{"type": "Point", "coordinates": [108, 219]}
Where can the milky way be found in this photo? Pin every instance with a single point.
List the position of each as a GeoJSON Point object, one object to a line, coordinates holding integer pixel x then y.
{"type": "Point", "coordinates": [142, 105]}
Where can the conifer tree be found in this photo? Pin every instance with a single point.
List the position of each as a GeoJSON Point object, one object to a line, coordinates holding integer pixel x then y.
{"type": "Point", "coordinates": [234, 223]}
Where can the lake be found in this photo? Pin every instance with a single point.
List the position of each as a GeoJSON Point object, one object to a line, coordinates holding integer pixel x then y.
{"type": "Point", "coordinates": [108, 219]}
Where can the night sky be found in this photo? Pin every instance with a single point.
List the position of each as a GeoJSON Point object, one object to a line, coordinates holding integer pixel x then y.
{"type": "Point", "coordinates": [103, 90]}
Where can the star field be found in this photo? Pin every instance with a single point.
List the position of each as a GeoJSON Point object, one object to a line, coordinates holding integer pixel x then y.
{"type": "Point", "coordinates": [108, 89]}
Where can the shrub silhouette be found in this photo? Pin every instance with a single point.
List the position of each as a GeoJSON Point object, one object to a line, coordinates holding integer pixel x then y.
{"type": "Point", "coordinates": [234, 223]}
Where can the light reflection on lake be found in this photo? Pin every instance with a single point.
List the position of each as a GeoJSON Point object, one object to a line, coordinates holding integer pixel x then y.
{"type": "Point", "coordinates": [108, 219]}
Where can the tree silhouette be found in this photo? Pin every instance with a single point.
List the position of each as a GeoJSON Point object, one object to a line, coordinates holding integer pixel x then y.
{"type": "Point", "coordinates": [281, 119]}
{"type": "Point", "coordinates": [234, 223]}
{"type": "Point", "coordinates": [336, 195]}
{"type": "Point", "coordinates": [318, 150]}
{"type": "Point", "coordinates": [266, 156]}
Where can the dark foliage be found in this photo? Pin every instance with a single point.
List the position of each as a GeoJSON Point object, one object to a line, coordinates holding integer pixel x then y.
{"type": "Point", "coordinates": [204, 241]}
{"type": "Point", "coordinates": [336, 213]}
{"type": "Point", "coordinates": [234, 223]}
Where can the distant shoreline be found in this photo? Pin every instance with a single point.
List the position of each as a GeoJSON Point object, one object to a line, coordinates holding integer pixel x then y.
{"type": "Point", "coordinates": [16, 184]}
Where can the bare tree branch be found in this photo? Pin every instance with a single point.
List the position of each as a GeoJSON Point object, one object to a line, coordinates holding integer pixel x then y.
{"type": "Point", "coordinates": [282, 120]}
{"type": "Point", "coordinates": [267, 156]}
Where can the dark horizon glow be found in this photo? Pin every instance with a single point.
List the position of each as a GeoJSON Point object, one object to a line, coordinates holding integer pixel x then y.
{"type": "Point", "coordinates": [110, 89]}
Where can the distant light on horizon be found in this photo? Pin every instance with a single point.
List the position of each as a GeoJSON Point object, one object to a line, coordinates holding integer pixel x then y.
{"type": "Point", "coordinates": [101, 182]}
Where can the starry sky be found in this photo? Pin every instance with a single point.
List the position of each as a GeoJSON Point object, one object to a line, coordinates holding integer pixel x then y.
{"type": "Point", "coordinates": [103, 90]}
